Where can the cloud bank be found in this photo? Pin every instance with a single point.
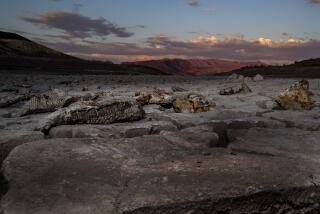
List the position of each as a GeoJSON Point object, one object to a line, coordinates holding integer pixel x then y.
{"type": "Point", "coordinates": [193, 3]}
{"type": "Point", "coordinates": [77, 25]}
{"type": "Point", "coordinates": [206, 47]}
{"type": "Point", "coordinates": [314, 1]}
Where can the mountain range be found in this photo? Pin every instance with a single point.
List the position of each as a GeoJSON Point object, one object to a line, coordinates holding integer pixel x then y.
{"type": "Point", "coordinates": [14, 45]}
{"type": "Point", "coordinates": [194, 66]}
{"type": "Point", "coordinates": [20, 54]}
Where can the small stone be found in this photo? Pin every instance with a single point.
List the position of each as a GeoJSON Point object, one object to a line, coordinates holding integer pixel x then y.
{"type": "Point", "coordinates": [241, 77]}
{"type": "Point", "coordinates": [143, 98]}
{"type": "Point", "coordinates": [233, 76]}
{"type": "Point", "coordinates": [257, 78]}
{"type": "Point", "coordinates": [247, 79]}
{"type": "Point", "coordinates": [178, 89]}
{"type": "Point", "coordinates": [234, 90]}
{"type": "Point", "coordinates": [23, 85]}
{"type": "Point", "coordinates": [245, 88]}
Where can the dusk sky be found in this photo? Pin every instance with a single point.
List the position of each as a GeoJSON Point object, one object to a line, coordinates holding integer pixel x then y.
{"type": "Point", "coordinates": [273, 31]}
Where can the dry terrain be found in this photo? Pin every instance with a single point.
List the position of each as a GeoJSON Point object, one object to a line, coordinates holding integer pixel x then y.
{"type": "Point", "coordinates": [242, 156]}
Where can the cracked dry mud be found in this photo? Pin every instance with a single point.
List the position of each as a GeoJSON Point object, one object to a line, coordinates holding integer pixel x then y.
{"type": "Point", "coordinates": [241, 157]}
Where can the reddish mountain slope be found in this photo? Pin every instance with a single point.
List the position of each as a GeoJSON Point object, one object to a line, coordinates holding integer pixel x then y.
{"type": "Point", "coordinates": [194, 66]}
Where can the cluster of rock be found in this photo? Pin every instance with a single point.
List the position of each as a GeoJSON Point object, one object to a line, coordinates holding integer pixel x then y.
{"type": "Point", "coordinates": [97, 109]}
{"type": "Point", "coordinates": [88, 109]}
{"type": "Point", "coordinates": [244, 88]}
{"type": "Point", "coordinates": [44, 102]}
{"type": "Point", "coordinates": [185, 103]}
{"type": "Point", "coordinates": [12, 100]}
{"type": "Point", "coordinates": [296, 97]}
{"type": "Point", "coordinates": [158, 96]}
{"type": "Point", "coordinates": [48, 101]}
{"type": "Point", "coordinates": [240, 77]}
{"type": "Point", "coordinates": [192, 103]}
{"type": "Point", "coordinates": [94, 112]}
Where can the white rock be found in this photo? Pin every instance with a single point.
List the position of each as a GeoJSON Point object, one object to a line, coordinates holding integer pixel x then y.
{"type": "Point", "coordinates": [233, 76]}
{"type": "Point", "coordinates": [258, 77]}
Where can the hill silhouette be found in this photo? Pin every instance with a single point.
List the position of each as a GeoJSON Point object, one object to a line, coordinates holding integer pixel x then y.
{"type": "Point", "coordinates": [309, 68]}
{"type": "Point", "coordinates": [22, 55]}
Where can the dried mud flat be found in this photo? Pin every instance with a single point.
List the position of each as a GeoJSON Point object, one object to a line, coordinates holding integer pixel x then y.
{"type": "Point", "coordinates": [241, 157]}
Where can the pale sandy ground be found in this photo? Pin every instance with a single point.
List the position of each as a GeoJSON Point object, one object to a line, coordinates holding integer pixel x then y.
{"type": "Point", "coordinates": [163, 160]}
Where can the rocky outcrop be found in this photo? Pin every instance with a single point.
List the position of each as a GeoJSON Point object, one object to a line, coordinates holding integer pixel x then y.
{"type": "Point", "coordinates": [47, 102]}
{"type": "Point", "coordinates": [13, 99]}
{"type": "Point", "coordinates": [236, 90]}
{"type": "Point", "coordinates": [53, 100]}
{"type": "Point", "coordinates": [158, 96]}
{"type": "Point", "coordinates": [182, 105]}
{"type": "Point", "coordinates": [297, 97]}
{"type": "Point", "coordinates": [161, 97]}
{"type": "Point", "coordinates": [178, 89]}
{"type": "Point", "coordinates": [142, 98]}
{"type": "Point", "coordinates": [89, 112]}
{"type": "Point", "coordinates": [192, 103]}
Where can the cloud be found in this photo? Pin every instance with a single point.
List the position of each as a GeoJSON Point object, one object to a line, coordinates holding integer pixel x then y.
{"type": "Point", "coordinates": [140, 26]}
{"type": "Point", "coordinates": [234, 47]}
{"type": "Point", "coordinates": [209, 9]}
{"type": "Point", "coordinates": [314, 1]}
{"type": "Point", "coordinates": [77, 6]}
{"type": "Point", "coordinates": [206, 39]}
{"type": "Point", "coordinates": [193, 3]}
{"type": "Point", "coordinates": [77, 25]}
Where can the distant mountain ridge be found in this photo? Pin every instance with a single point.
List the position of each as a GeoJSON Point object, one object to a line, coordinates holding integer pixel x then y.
{"type": "Point", "coordinates": [194, 66]}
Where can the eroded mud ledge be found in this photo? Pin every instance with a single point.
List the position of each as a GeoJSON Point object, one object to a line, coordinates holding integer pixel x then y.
{"type": "Point", "coordinates": [296, 200]}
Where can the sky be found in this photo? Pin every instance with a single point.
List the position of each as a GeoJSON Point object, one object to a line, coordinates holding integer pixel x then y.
{"type": "Point", "coordinates": [272, 31]}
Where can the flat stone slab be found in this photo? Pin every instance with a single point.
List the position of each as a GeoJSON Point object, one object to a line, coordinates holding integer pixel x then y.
{"type": "Point", "coordinates": [112, 131]}
{"type": "Point", "coordinates": [101, 176]}
{"type": "Point", "coordinates": [306, 120]}
{"type": "Point", "coordinates": [289, 142]}
{"type": "Point", "coordinates": [9, 139]}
